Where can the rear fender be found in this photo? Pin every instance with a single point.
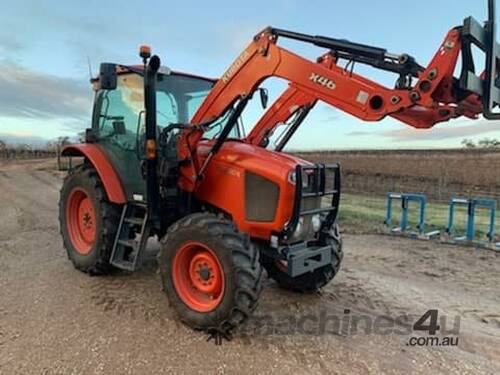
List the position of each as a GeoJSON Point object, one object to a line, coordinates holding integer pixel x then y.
{"type": "Point", "coordinates": [104, 168]}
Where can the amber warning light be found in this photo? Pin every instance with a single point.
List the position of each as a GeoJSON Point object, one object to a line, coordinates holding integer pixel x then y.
{"type": "Point", "coordinates": [145, 51]}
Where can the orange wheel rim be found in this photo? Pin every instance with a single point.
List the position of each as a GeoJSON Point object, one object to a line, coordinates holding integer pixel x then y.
{"type": "Point", "coordinates": [81, 221]}
{"type": "Point", "coordinates": [198, 276]}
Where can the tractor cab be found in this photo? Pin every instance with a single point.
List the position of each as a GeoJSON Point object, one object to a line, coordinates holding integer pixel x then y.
{"type": "Point", "coordinates": [118, 121]}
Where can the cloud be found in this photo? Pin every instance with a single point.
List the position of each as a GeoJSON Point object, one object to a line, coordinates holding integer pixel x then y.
{"type": "Point", "coordinates": [359, 134]}
{"type": "Point", "coordinates": [439, 133]}
{"type": "Point", "coordinates": [26, 93]}
{"type": "Point", "coordinates": [9, 44]}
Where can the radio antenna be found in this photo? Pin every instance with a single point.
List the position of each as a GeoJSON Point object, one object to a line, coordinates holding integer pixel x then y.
{"type": "Point", "coordinates": [90, 67]}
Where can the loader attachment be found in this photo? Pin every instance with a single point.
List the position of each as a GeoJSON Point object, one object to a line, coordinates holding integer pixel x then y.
{"type": "Point", "coordinates": [487, 85]}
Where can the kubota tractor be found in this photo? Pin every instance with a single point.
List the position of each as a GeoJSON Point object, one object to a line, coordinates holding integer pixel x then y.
{"type": "Point", "coordinates": [165, 157]}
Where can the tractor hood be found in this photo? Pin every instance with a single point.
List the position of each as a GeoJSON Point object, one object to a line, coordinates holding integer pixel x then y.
{"type": "Point", "coordinates": [270, 164]}
{"type": "Point", "coordinates": [252, 184]}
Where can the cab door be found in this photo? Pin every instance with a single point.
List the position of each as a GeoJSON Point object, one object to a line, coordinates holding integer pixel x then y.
{"type": "Point", "coordinates": [117, 121]}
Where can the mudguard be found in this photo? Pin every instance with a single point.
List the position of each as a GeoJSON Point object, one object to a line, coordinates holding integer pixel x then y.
{"type": "Point", "coordinates": [104, 168]}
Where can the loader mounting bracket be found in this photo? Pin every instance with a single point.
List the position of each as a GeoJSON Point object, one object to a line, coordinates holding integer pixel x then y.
{"type": "Point", "coordinates": [487, 86]}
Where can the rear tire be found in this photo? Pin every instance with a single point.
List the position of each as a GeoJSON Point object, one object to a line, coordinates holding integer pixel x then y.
{"type": "Point", "coordinates": [311, 281]}
{"type": "Point", "coordinates": [223, 297]}
{"type": "Point", "coordinates": [88, 221]}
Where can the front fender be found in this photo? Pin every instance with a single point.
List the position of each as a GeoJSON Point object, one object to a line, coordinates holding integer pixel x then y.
{"type": "Point", "coordinates": [109, 177]}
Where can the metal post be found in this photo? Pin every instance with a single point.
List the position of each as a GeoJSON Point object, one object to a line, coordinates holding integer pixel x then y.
{"type": "Point", "coordinates": [388, 216]}
{"type": "Point", "coordinates": [491, 233]}
{"type": "Point", "coordinates": [421, 224]}
{"type": "Point", "coordinates": [470, 220]}
{"type": "Point", "coordinates": [404, 217]}
{"type": "Point", "coordinates": [451, 217]}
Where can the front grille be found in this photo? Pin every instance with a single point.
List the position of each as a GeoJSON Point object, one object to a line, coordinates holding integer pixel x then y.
{"type": "Point", "coordinates": [261, 198]}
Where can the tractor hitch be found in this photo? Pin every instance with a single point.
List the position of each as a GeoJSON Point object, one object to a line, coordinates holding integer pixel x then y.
{"type": "Point", "coordinates": [302, 258]}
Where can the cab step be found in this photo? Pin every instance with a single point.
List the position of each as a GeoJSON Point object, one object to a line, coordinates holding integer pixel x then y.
{"type": "Point", "coordinates": [131, 238]}
{"type": "Point", "coordinates": [134, 220]}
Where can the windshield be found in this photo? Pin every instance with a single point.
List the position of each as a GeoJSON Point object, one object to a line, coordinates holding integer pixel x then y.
{"type": "Point", "coordinates": [178, 98]}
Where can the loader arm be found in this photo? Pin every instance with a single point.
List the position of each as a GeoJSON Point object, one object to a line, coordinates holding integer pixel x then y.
{"type": "Point", "coordinates": [293, 100]}
{"type": "Point", "coordinates": [286, 106]}
{"type": "Point", "coordinates": [436, 95]}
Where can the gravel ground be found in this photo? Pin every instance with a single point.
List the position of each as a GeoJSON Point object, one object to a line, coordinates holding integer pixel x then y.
{"type": "Point", "coordinates": [54, 319]}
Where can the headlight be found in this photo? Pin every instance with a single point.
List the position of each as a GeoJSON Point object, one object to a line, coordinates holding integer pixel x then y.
{"type": "Point", "coordinates": [292, 178]}
{"type": "Point", "coordinates": [299, 231]}
{"type": "Point", "coordinates": [316, 222]}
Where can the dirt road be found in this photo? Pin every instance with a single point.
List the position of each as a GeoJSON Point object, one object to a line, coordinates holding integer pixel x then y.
{"type": "Point", "coordinates": [54, 319]}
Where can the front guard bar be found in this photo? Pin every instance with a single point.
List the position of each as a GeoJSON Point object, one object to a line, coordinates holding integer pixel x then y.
{"type": "Point", "coordinates": [487, 86]}
{"type": "Point", "coordinates": [318, 188]}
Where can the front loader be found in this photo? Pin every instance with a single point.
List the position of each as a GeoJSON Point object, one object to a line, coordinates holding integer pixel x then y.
{"type": "Point", "coordinates": [165, 157]}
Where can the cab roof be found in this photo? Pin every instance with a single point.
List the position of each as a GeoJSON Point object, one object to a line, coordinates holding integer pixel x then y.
{"type": "Point", "coordinates": [139, 69]}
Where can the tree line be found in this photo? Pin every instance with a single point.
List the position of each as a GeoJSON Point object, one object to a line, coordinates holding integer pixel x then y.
{"type": "Point", "coordinates": [488, 143]}
{"type": "Point", "coordinates": [29, 151]}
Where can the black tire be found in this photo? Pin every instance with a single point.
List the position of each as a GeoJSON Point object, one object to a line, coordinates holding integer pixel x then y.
{"type": "Point", "coordinates": [239, 259]}
{"type": "Point", "coordinates": [107, 217]}
{"type": "Point", "coordinates": [312, 281]}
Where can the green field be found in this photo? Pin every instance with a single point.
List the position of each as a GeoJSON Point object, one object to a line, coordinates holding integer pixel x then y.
{"type": "Point", "coordinates": [366, 214]}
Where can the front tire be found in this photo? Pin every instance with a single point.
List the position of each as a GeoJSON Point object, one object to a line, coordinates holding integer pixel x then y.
{"type": "Point", "coordinates": [311, 281]}
{"type": "Point", "coordinates": [88, 221]}
{"type": "Point", "coordinates": [210, 272]}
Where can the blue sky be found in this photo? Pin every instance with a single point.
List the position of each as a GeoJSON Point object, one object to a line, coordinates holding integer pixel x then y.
{"type": "Point", "coordinates": [44, 45]}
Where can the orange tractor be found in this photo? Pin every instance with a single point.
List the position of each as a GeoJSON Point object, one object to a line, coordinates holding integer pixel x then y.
{"type": "Point", "coordinates": [166, 157]}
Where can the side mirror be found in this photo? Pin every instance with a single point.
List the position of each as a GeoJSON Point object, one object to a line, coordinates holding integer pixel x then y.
{"type": "Point", "coordinates": [264, 97]}
{"type": "Point", "coordinates": [107, 76]}
{"type": "Point", "coordinates": [119, 128]}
